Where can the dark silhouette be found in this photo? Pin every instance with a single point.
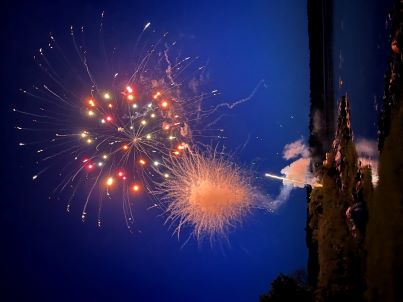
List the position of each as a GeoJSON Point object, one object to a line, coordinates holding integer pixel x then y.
{"type": "Point", "coordinates": [284, 289]}
{"type": "Point", "coordinates": [385, 225]}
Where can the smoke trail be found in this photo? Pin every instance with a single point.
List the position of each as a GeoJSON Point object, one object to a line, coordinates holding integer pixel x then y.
{"type": "Point", "coordinates": [295, 149]}
{"type": "Point", "coordinates": [281, 198]}
{"type": "Point", "coordinates": [298, 170]}
{"type": "Point", "coordinates": [295, 175]}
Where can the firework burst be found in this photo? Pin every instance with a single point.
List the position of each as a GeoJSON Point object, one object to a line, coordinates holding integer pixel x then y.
{"type": "Point", "coordinates": [208, 193]}
{"type": "Point", "coordinates": [110, 128]}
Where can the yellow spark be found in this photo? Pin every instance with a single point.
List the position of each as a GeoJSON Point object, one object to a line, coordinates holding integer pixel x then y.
{"type": "Point", "coordinates": [91, 113]}
{"type": "Point", "coordinates": [91, 103]}
{"type": "Point", "coordinates": [156, 95]}
{"type": "Point", "coordinates": [109, 181]}
{"type": "Point", "coordinates": [153, 115]}
{"type": "Point", "coordinates": [89, 141]}
{"type": "Point", "coordinates": [143, 122]}
{"type": "Point", "coordinates": [166, 175]}
{"type": "Point", "coordinates": [134, 106]}
{"type": "Point", "coordinates": [84, 134]}
{"type": "Point", "coordinates": [164, 104]}
{"type": "Point", "coordinates": [107, 96]}
{"type": "Point", "coordinates": [104, 156]}
{"type": "Point", "coordinates": [148, 136]}
{"type": "Point", "coordinates": [156, 163]}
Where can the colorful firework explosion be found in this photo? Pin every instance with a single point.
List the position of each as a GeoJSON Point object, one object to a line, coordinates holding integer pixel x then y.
{"type": "Point", "coordinates": [114, 127]}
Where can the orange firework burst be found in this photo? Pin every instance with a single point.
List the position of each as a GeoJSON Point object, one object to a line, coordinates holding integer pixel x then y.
{"type": "Point", "coordinates": [208, 193]}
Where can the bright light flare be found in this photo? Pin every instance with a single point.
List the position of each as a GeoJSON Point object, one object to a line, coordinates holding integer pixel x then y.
{"type": "Point", "coordinates": [110, 181]}
{"type": "Point", "coordinates": [136, 188]}
{"type": "Point", "coordinates": [91, 103]}
{"type": "Point", "coordinates": [164, 104]}
{"type": "Point", "coordinates": [157, 95]}
{"type": "Point", "coordinates": [129, 89]}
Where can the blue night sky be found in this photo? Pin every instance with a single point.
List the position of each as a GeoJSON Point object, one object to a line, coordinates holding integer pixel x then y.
{"type": "Point", "coordinates": [49, 255]}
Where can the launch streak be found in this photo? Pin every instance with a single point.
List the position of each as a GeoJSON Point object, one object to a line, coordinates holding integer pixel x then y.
{"type": "Point", "coordinates": [315, 185]}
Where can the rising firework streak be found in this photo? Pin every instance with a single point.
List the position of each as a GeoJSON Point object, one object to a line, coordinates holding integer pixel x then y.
{"type": "Point", "coordinates": [315, 185]}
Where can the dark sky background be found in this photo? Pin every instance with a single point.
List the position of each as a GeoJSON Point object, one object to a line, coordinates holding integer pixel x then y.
{"type": "Point", "coordinates": [48, 255]}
